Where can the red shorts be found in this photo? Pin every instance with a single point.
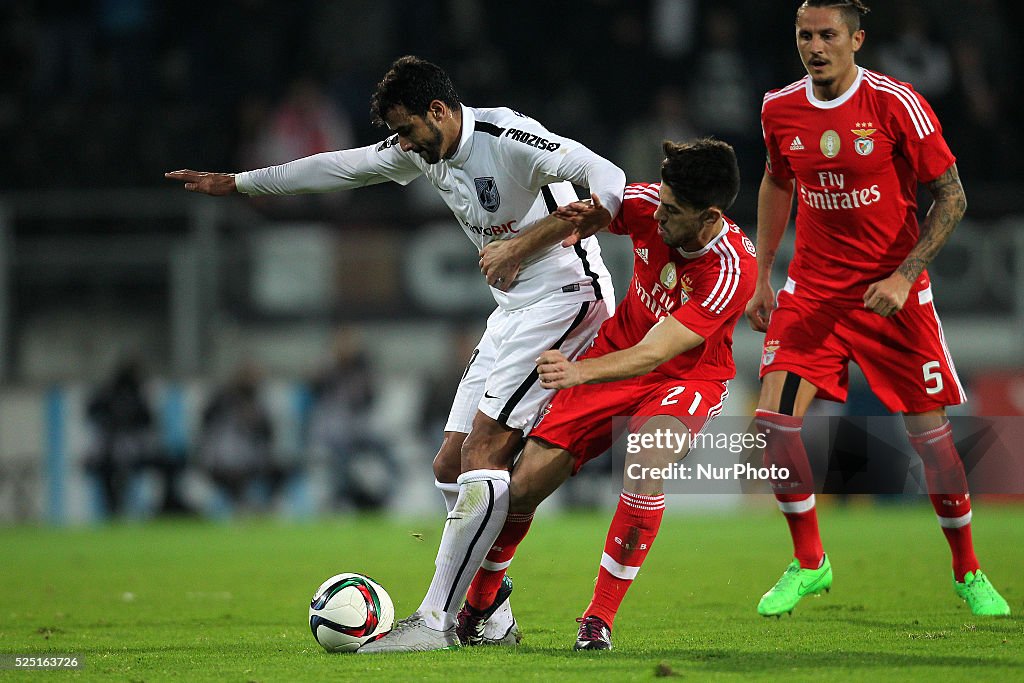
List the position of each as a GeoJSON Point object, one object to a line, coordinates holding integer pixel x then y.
{"type": "Point", "coordinates": [904, 357]}
{"type": "Point", "coordinates": [579, 419]}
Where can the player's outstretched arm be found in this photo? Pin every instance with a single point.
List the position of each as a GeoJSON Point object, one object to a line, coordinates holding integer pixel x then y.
{"type": "Point", "coordinates": [344, 169]}
{"type": "Point", "coordinates": [216, 184]}
{"type": "Point", "coordinates": [887, 297]}
{"type": "Point", "coordinates": [663, 342]}
{"type": "Point", "coordinates": [774, 200]}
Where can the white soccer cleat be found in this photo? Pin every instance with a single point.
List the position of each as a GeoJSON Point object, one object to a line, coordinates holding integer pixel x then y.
{"type": "Point", "coordinates": [501, 628]}
{"type": "Point", "coordinates": [412, 635]}
{"type": "Point", "coordinates": [494, 626]}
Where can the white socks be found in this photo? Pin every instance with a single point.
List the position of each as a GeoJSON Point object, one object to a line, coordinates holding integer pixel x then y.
{"type": "Point", "coordinates": [450, 493]}
{"type": "Point", "coordinates": [473, 525]}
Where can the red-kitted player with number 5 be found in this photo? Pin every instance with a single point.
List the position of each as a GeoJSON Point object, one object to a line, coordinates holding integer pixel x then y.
{"type": "Point", "coordinates": [853, 145]}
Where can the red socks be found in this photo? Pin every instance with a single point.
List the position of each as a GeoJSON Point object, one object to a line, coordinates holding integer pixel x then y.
{"type": "Point", "coordinates": [488, 578]}
{"type": "Point", "coordinates": [630, 536]}
{"type": "Point", "coordinates": [802, 519]}
{"type": "Point", "coordinates": [944, 473]}
{"type": "Point", "coordinates": [784, 449]}
{"type": "Point", "coordinates": [947, 489]}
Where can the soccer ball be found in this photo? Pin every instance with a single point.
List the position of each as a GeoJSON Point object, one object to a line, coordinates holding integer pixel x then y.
{"type": "Point", "coordinates": [348, 610]}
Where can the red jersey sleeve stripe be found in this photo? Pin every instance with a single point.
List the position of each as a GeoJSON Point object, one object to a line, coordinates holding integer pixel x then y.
{"type": "Point", "coordinates": [648, 193]}
{"type": "Point", "coordinates": [644, 197]}
{"type": "Point", "coordinates": [721, 278]}
{"type": "Point", "coordinates": [653, 191]}
{"type": "Point", "coordinates": [733, 280]}
{"type": "Point", "coordinates": [649, 190]}
{"type": "Point", "coordinates": [782, 92]}
{"type": "Point", "coordinates": [728, 277]}
{"type": "Point", "coordinates": [910, 97]}
{"type": "Point", "coordinates": [922, 123]}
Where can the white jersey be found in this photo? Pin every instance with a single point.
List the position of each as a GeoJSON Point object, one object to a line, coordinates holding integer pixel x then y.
{"type": "Point", "coordinates": [505, 175]}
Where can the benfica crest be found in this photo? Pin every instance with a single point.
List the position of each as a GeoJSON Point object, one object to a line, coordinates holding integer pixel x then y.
{"type": "Point", "coordinates": [487, 193]}
{"type": "Point", "coordinates": [768, 355]}
{"type": "Point", "coordinates": [864, 145]}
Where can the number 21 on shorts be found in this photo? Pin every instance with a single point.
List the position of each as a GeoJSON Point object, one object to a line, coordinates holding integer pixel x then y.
{"type": "Point", "coordinates": [670, 399]}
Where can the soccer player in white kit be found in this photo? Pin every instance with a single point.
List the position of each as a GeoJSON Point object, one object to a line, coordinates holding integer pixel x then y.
{"type": "Point", "coordinates": [502, 174]}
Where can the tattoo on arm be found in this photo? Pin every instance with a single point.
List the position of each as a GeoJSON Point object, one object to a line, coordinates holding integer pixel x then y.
{"type": "Point", "coordinates": [948, 208]}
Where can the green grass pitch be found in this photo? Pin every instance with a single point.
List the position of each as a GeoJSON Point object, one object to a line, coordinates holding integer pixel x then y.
{"type": "Point", "coordinates": [187, 601]}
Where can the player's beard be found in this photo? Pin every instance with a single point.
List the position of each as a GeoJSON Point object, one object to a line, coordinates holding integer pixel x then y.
{"type": "Point", "coordinates": [431, 150]}
{"type": "Point", "coordinates": [680, 238]}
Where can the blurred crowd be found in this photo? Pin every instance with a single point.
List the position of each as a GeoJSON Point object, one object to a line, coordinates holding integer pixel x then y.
{"type": "Point", "coordinates": [114, 92]}
{"type": "Point", "coordinates": [229, 458]}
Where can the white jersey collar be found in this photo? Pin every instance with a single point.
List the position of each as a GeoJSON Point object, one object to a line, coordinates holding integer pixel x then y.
{"type": "Point", "coordinates": [832, 104]}
{"type": "Point", "coordinates": [466, 140]}
{"type": "Point", "coordinates": [707, 247]}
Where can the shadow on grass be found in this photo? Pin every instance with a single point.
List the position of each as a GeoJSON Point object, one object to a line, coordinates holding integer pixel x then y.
{"type": "Point", "coordinates": [735, 661]}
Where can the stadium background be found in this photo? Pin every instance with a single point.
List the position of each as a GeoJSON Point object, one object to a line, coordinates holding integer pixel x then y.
{"type": "Point", "coordinates": [353, 314]}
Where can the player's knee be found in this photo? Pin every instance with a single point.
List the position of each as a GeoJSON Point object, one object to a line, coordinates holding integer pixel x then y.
{"type": "Point", "coordinates": [527, 492]}
{"type": "Point", "coordinates": [523, 500]}
{"type": "Point", "coordinates": [448, 461]}
{"type": "Point", "coordinates": [785, 393]}
{"type": "Point", "coordinates": [537, 475]}
{"type": "Point", "coordinates": [490, 447]}
{"type": "Point", "coordinates": [446, 471]}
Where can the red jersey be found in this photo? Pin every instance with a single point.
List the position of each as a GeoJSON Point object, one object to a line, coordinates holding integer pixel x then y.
{"type": "Point", "coordinates": [857, 161]}
{"type": "Point", "coordinates": [705, 290]}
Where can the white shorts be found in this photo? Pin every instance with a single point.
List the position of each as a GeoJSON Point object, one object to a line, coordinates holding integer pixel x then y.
{"type": "Point", "coordinates": [501, 377]}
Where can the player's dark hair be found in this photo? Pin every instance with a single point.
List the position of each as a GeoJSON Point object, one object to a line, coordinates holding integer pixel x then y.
{"type": "Point", "coordinates": [701, 172]}
{"type": "Point", "coordinates": [851, 10]}
{"type": "Point", "coordinates": [412, 83]}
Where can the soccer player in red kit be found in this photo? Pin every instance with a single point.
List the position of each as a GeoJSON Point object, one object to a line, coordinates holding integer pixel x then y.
{"type": "Point", "coordinates": [664, 358]}
{"type": "Point", "coordinates": [853, 145]}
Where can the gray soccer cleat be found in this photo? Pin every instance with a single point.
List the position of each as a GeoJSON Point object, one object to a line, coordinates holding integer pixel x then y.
{"type": "Point", "coordinates": [412, 635]}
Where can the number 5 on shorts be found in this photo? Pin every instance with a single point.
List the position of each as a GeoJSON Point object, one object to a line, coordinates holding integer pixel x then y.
{"type": "Point", "coordinates": [675, 391]}
{"type": "Point", "coordinates": [932, 373]}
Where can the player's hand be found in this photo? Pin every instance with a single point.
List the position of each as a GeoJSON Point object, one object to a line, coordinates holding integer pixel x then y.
{"type": "Point", "coordinates": [216, 184]}
{"type": "Point", "coordinates": [499, 262]}
{"type": "Point", "coordinates": [887, 297]}
{"type": "Point", "coordinates": [588, 217]}
{"type": "Point", "coordinates": [556, 371]}
{"type": "Point", "coordinates": [759, 308]}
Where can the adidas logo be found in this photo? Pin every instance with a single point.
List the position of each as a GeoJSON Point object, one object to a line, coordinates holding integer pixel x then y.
{"type": "Point", "coordinates": [796, 144]}
{"type": "Point", "coordinates": [642, 253]}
